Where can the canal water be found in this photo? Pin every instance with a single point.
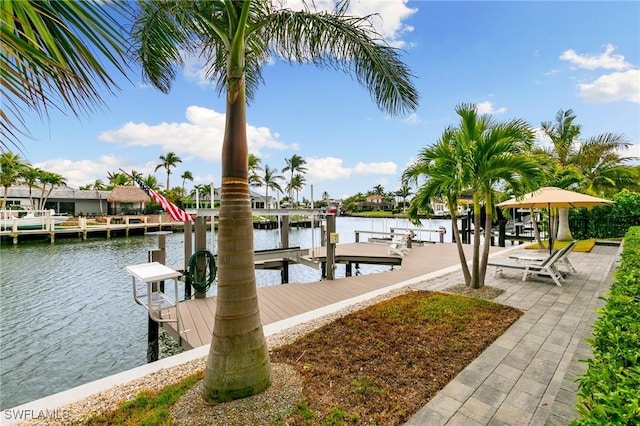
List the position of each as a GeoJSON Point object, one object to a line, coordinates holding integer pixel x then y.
{"type": "Point", "coordinates": [67, 314]}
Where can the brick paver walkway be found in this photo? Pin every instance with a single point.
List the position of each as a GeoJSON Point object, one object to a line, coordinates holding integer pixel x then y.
{"type": "Point", "coordinates": [527, 376]}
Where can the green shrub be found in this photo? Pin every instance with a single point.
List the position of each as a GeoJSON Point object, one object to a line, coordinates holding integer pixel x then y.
{"type": "Point", "coordinates": [609, 391]}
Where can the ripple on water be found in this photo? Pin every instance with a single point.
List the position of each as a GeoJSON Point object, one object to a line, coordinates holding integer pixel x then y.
{"type": "Point", "coordinates": [68, 314]}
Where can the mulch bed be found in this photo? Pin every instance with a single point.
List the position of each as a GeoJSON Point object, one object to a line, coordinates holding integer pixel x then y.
{"type": "Point", "coordinates": [381, 364]}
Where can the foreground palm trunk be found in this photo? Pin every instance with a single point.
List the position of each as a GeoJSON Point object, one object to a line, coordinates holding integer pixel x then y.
{"type": "Point", "coordinates": [238, 364]}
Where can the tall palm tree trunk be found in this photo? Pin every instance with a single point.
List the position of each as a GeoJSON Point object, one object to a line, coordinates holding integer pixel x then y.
{"type": "Point", "coordinates": [463, 257]}
{"type": "Point", "coordinates": [475, 267]}
{"type": "Point", "coordinates": [485, 249]}
{"type": "Point", "coordinates": [238, 364]}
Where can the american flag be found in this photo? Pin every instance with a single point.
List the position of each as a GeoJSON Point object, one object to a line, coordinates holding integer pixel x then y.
{"type": "Point", "coordinates": [174, 211]}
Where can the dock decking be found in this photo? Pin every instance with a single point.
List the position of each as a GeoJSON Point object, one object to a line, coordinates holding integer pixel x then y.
{"type": "Point", "coordinates": [284, 301]}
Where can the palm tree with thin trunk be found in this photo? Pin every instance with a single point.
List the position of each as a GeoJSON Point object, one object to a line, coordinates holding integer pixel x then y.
{"type": "Point", "coordinates": [30, 176]}
{"type": "Point", "coordinates": [296, 184]}
{"type": "Point", "coordinates": [404, 191]}
{"type": "Point", "coordinates": [269, 180]}
{"type": "Point", "coordinates": [186, 176]}
{"type": "Point", "coordinates": [52, 180]}
{"type": "Point", "coordinates": [11, 166]}
{"type": "Point", "coordinates": [54, 55]}
{"type": "Point", "coordinates": [477, 156]}
{"type": "Point", "coordinates": [167, 162]}
{"type": "Point", "coordinates": [295, 165]}
{"type": "Point", "coordinates": [236, 39]}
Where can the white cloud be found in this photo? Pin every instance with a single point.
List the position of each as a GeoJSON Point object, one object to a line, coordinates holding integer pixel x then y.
{"type": "Point", "coordinates": [388, 21]}
{"type": "Point", "coordinates": [487, 107]}
{"type": "Point", "coordinates": [327, 168]}
{"type": "Point", "coordinates": [83, 172]}
{"type": "Point", "coordinates": [613, 87]}
{"type": "Point", "coordinates": [200, 136]}
{"type": "Point", "coordinates": [413, 118]}
{"type": "Point", "coordinates": [384, 168]}
{"type": "Point", "coordinates": [332, 168]}
{"type": "Point", "coordinates": [604, 60]}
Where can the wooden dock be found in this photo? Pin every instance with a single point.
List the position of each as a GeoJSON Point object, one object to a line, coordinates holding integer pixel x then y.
{"type": "Point", "coordinates": [284, 301]}
{"type": "Point", "coordinates": [83, 232]}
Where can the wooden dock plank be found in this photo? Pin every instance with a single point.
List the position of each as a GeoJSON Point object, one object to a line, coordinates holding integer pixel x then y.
{"type": "Point", "coordinates": [287, 300]}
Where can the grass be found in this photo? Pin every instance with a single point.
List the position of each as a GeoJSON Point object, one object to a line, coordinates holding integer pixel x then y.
{"type": "Point", "coordinates": [376, 366]}
{"type": "Point", "coordinates": [147, 408]}
{"type": "Point", "coordinates": [582, 246]}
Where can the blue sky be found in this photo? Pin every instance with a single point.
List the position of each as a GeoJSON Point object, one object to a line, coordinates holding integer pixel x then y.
{"type": "Point", "coordinates": [512, 59]}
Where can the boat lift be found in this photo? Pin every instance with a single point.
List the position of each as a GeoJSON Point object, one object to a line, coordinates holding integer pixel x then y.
{"type": "Point", "coordinates": [155, 301]}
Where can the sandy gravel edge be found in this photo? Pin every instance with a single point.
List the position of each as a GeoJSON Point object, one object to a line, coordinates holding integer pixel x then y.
{"type": "Point", "coordinates": [109, 400]}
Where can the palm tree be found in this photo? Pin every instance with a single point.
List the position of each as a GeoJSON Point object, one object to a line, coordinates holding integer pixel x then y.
{"type": "Point", "coordinates": [186, 176]}
{"type": "Point", "coordinates": [167, 162]}
{"type": "Point", "coordinates": [30, 176]}
{"type": "Point", "coordinates": [378, 190]}
{"type": "Point", "coordinates": [51, 179]}
{"type": "Point", "coordinates": [404, 191]}
{"type": "Point", "coordinates": [476, 156]}
{"type": "Point", "coordinates": [236, 39]}
{"type": "Point", "coordinates": [593, 165]}
{"type": "Point", "coordinates": [98, 186]}
{"type": "Point", "coordinates": [53, 54]}
{"type": "Point", "coordinates": [295, 165]}
{"type": "Point", "coordinates": [325, 195]}
{"type": "Point", "coordinates": [254, 170]}
{"type": "Point", "coordinates": [296, 184]}
{"type": "Point", "coordinates": [11, 165]}
{"type": "Point", "coordinates": [118, 179]}
{"type": "Point", "coordinates": [270, 179]}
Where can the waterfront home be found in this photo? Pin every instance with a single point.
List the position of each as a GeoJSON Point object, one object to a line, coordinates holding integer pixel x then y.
{"type": "Point", "coordinates": [62, 199]}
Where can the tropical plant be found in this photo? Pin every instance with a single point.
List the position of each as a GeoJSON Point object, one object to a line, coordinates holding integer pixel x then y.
{"type": "Point", "coordinates": [236, 39]}
{"type": "Point", "coordinates": [30, 175]}
{"type": "Point", "coordinates": [295, 165]}
{"type": "Point", "coordinates": [269, 180]}
{"type": "Point", "coordinates": [186, 176]}
{"type": "Point", "coordinates": [325, 195]}
{"type": "Point", "coordinates": [118, 179]}
{"type": "Point", "coordinates": [477, 156]}
{"type": "Point", "coordinates": [404, 191]}
{"type": "Point", "coordinates": [378, 190]}
{"type": "Point", "coordinates": [150, 180]}
{"type": "Point", "coordinates": [592, 166]}
{"type": "Point", "coordinates": [53, 55]}
{"type": "Point", "coordinates": [167, 162]}
{"type": "Point", "coordinates": [254, 170]}
{"type": "Point", "coordinates": [296, 184]}
{"type": "Point", "coordinates": [51, 180]}
{"type": "Point", "coordinates": [11, 165]}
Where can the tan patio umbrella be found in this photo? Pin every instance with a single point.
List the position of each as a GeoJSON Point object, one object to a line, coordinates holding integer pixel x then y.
{"type": "Point", "coordinates": [551, 196]}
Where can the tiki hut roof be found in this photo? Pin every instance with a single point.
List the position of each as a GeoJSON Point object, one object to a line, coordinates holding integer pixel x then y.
{"type": "Point", "coordinates": [128, 194]}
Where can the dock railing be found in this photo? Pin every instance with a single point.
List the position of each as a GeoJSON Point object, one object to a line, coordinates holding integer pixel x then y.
{"type": "Point", "coordinates": [418, 235]}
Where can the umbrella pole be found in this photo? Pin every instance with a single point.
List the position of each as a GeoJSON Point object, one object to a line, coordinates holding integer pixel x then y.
{"type": "Point", "coordinates": [550, 230]}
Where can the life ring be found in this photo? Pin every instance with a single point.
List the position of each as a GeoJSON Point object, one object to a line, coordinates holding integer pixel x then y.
{"type": "Point", "coordinates": [201, 278]}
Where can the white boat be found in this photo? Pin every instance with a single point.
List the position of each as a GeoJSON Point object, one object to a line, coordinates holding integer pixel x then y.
{"type": "Point", "coordinates": [30, 219]}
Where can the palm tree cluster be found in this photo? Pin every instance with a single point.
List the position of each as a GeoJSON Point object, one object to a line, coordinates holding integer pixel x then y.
{"type": "Point", "coordinates": [492, 160]}
{"type": "Point", "coordinates": [15, 171]}
{"type": "Point", "coordinates": [269, 177]}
